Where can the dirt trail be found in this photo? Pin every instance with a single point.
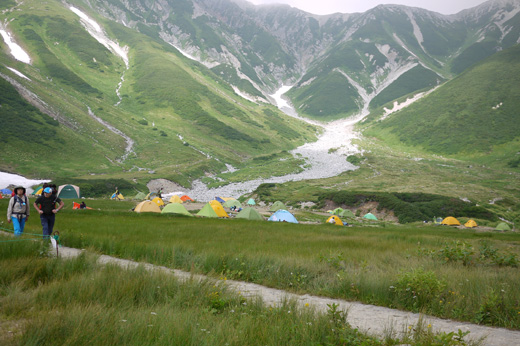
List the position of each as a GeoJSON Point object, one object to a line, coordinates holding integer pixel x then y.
{"type": "Point", "coordinates": [370, 319]}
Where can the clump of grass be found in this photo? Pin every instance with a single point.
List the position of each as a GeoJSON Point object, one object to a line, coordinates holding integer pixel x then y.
{"type": "Point", "coordinates": [81, 303]}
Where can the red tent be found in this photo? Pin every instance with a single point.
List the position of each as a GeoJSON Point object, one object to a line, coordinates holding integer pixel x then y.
{"type": "Point", "coordinates": [187, 198]}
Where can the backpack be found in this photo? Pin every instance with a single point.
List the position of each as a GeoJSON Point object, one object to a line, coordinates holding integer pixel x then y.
{"type": "Point", "coordinates": [22, 202]}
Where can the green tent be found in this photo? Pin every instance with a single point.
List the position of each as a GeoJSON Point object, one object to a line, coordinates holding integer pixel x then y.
{"type": "Point", "coordinates": [207, 211]}
{"type": "Point", "coordinates": [249, 214]}
{"type": "Point", "coordinates": [232, 203]}
{"type": "Point", "coordinates": [36, 189]}
{"type": "Point", "coordinates": [68, 191]}
{"type": "Point", "coordinates": [503, 227]}
{"type": "Point", "coordinates": [251, 202]}
{"type": "Point", "coordinates": [337, 211]}
{"type": "Point", "coordinates": [277, 206]}
{"type": "Point", "coordinates": [140, 196]}
{"type": "Point", "coordinates": [175, 208]}
{"type": "Point", "coordinates": [370, 216]}
{"type": "Point", "coordinates": [347, 213]}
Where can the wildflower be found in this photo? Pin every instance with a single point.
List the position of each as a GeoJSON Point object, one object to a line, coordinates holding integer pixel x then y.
{"type": "Point", "coordinates": [410, 327]}
{"type": "Point", "coordinates": [440, 301]}
{"type": "Point", "coordinates": [289, 311]}
{"type": "Point", "coordinates": [307, 304]}
{"type": "Point", "coordinates": [150, 325]}
{"type": "Point", "coordinates": [429, 326]}
{"type": "Point", "coordinates": [232, 310]}
{"type": "Point", "coordinates": [125, 320]}
{"type": "Point", "coordinates": [153, 313]}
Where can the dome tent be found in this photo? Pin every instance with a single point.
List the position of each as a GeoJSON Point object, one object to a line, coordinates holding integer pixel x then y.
{"type": "Point", "coordinates": [503, 227]}
{"type": "Point", "coordinates": [347, 213]}
{"type": "Point", "coordinates": [187, 198]}
{"type": "Point", "coordinates": [337, 211]}
{"type": "Point", "coordinates": [370, 216]}
{"type": "Point", "coordinates": [232, 203]}
{"type": "Point", "coordinates": [158, 201]}
{"type": "Point", "coordinates": [176, 199]}
{"type": "Point", "coordinates": [283, 216]}
{"type": "Point", "coordinates": [249, 214]}
{"type": "Point", "coordinates": [251, 202]}
{"type": "Point", "coordinates": [277, 206]}
{"type": "Point", "coordinates": [68, 191]}
{"type": "Point", "coordinates": [175, 208]}
{"type": "Point", "coordinates": [213, 210]}
{"type": "Point", "coordinates": [140, 196]}
{"type": "Point", "coordinates": [450, 221]}
{"type": "Point", "coordinates": [147, 207]}
{"type": "Point", "coordinates": [470, 224]}
{"type": "Point", "coordinates": [335, 220]}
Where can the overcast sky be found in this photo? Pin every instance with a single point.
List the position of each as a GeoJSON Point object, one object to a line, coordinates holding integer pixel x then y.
{"type": "Point", "coordinates": [352, 6]}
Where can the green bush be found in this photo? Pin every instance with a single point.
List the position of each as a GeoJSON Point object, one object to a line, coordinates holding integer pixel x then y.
{"type": "Point", "coordinates": [409, 207]}
{"type": "Point", "coordinates": [417, 288]}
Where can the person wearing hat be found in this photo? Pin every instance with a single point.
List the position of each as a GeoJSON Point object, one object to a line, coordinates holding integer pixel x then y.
{"type": "Point", "coordinates": [46, 207]}
{"type": "Point", "coordinates": [18, 210]}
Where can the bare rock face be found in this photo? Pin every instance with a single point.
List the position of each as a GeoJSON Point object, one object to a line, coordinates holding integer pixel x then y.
{"type": "Point", "coordinates": [164, 184]}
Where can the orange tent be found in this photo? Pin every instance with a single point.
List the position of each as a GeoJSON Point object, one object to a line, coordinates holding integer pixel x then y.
{"type": "Point", "coordinates": [187, 198]}
{"type": "Point", "coordinates": [75, 205]}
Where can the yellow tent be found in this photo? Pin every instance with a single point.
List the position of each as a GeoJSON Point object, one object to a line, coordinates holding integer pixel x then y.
{"type": "Point", "coordinates": [39, 192]}
{"type": "Point", "coordinates": [450, 221]}
{"type": "Point", "coordinates": [158, 201]}
{"type": "Point", "coordinates": [227, 198]}
{"type": "Point", "coordinates": [335, 220]}
{"type": "Point", "coordinates": [218, 208]}
{"type": "Point", "coordinates": [147, 207]}
{"type": "Point", "coordinates": [176, 199]}
{"type": "Point", "coordinates": [471, 224]}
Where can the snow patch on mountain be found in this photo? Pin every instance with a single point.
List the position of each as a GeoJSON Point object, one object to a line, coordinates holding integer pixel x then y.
{"type": "Point", "coordinates": [16, 50]}
{"type": "Point", "coordinates": [18, 73]}
{"type": "Point", "coordinates": [95, 30]}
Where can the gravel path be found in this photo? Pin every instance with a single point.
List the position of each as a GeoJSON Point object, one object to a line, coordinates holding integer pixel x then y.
{"type": "Point", "coordinates": [370, 319]}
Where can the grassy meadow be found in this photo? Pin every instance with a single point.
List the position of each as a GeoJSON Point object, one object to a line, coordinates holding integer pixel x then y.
{"type": "Point", "coordinates": [459, 274]}
{"type": "Point", "coordinates": [49, 301]}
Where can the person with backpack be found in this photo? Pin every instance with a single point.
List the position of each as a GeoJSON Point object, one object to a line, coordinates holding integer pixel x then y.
{"type": "Point", "coordinates": [18, 210]}
{"type": "Point", "coordinates": [46, 207]}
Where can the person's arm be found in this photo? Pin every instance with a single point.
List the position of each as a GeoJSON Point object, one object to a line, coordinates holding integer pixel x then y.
{"type": "Point", "coordinates": [59, 207]}
{"type": "Point", "coordinates": [37, 208]}
{"type": "Point", "coordinates": [10, 210]}
{"type": "Point", "coordinates": [27, 208]}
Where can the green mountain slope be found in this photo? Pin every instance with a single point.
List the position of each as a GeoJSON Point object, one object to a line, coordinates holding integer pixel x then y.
{"type": "Point", "coordinates": [470, 114]}
{"type": "Point", "coordinates": [183, 119]}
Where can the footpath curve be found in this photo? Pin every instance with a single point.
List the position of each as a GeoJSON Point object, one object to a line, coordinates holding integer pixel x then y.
{"type": "Point", "coordinates": [372, 320]}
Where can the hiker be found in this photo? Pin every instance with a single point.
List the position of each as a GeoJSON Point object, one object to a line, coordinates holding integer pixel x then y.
{"type": "Point", "coordinates": [47, 210]}
{"type": "Point", "coordinates": [18, 210]}
{"type": "Point", "coordinates": [83, 205]}
{"type": "Point", "coordinates": [159, 193]}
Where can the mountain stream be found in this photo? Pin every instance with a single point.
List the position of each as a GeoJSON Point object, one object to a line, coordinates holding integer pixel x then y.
{"type": "Point", "coordinates": [324, 158]}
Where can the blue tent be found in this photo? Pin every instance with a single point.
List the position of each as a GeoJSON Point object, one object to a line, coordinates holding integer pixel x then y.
{"type": "Point", "coordinates": [283, 216]}
{"type": "Point", "coordinates": [6, 191]}
{"type": "Point", "coordinates": [222, 201]}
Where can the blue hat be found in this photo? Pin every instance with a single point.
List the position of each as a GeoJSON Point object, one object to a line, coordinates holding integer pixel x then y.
{"type": "Point", "coordinates": [47, 190]}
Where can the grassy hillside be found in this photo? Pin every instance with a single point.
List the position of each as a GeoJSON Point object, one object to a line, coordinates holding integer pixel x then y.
{"type": "Point", "coordinates": [471, 114]}
{"type": "Point", "coordinates": [184, 119]}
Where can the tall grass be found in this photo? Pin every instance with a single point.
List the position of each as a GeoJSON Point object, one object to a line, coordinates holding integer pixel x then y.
{"type": "Point", "coordinates": [47, 301]}
{"type": "Point", "coordinates": [372, 265]}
